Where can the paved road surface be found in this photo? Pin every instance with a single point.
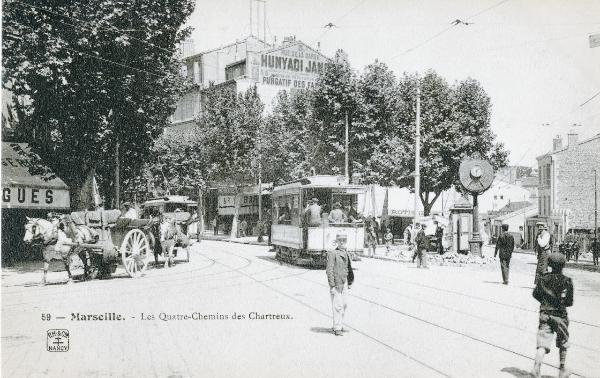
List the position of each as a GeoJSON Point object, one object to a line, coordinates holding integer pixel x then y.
{"type": "Point", "coordinates": [403, 322]}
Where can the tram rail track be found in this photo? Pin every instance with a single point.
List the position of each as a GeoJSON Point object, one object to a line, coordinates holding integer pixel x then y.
{"type": "Point", "coordinates": [575, 372]}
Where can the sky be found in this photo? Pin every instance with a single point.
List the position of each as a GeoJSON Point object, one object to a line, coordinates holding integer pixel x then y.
{"type": "Point", "coordinates": [531, 56]}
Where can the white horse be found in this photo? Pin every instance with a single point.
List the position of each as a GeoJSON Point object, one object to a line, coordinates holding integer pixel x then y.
{"type": "Point", "coordinates": [170, 236]}
{"type": "Point", "coordinates": [81, 234]}
{"type": "Point", "coordinates": [52, 240]}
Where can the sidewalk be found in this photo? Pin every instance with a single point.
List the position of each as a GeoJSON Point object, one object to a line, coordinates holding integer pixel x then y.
{"type": "Point", "coordinates": [252, 240]}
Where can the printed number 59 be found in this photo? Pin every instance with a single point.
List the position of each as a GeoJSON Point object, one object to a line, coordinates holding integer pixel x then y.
{"type": "Point", "coordinates": [46, 317]}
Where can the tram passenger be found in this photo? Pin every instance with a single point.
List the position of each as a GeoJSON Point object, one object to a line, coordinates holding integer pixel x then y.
{"type": "Point", "coordinates": [337, 215]}
{"type": "Point", "coordinates": [313, 214]}
{"type": "Point", "coordinates": [353, 215]}
{"type": "Point", "coordinates": [340, 278]}
{"type": "Point", "coordinates": [285, 216]}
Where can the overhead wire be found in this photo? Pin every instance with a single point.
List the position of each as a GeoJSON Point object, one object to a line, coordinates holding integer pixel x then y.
{"type": "Point", "coordinates": [340, 19]}
{"type": "Point", "coordinates": [452, 25]}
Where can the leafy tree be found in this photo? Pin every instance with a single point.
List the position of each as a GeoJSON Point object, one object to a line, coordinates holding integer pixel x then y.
{"type": "Point", "coordinates": [177, 164]}
{"type": "Point", "coordinates": [229, 127]}
{"type": "Point", "coordinates": [96, 75]}
{"type": "Point", "coordinates": [455, 124]}
{"type": "Point", "coordinates": [291, 143]}
{"type": "Point", "coordinates": [335, 97]}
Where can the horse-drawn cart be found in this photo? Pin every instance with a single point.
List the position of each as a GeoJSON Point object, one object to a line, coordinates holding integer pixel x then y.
{"type": "Point", "coordinates": [129, 240]}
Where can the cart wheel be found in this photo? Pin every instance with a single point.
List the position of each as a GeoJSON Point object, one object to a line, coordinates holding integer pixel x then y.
{"type": "Point", "coordinates": [135, 252]}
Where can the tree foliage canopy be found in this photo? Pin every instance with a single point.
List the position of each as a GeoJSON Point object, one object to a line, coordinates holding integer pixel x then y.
{"type": "Point", "coordinates": [455, 124]}
{"type": "Point", "coordinates": [93, 74]}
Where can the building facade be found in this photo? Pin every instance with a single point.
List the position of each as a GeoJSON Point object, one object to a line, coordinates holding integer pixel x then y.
{"type": "Point", "coordinates": [566, 189]}
{"type": "Point", "coordinates": [244, 64]}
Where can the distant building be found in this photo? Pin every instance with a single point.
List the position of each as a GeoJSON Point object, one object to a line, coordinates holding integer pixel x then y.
{"type": "Point", "coordinates": [513, 173]}
{"type": "Point", "coordinates": [530, 183]}
{"type": "Point", "coordinates": [246, 63]}
{"type": "Point", "coordinates": [500, 194]}
{"type": "Point", "coordinates": [566, 185]}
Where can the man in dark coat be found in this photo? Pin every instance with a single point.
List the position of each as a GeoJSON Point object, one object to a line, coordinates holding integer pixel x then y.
{"type": "Point", "coordinates": [422, 245]}
{"type": "Point", "coordinates": [439, 235]}
{"type": "Point", "coordinates": [505, 245]}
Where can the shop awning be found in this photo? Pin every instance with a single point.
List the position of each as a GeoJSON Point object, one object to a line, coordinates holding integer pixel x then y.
{"type": "Point", "coordinates": [21, 189]}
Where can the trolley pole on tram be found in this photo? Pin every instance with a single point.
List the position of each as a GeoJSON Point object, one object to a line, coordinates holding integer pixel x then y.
{"type": "Point", "coordinates": [417, 157]}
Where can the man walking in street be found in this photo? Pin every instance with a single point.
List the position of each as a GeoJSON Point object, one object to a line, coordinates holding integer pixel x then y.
{"type": "Point", "coordinates": [340, 278]}
{"type": "Point", "coordinates": [543, 247]}
{"type": "Point", "coordinates": [506, 245]}
{"type": "Point", "coordinates": [412, 236]}
{"type": "Point", "coordinates": [595, 247]}
{"type": "Point", "coordinates": [243, 228]}
{"type": "Point", "coordinates": [422, 245]}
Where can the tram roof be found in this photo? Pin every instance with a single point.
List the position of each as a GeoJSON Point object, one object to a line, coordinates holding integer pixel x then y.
{"type": "Point", "coordinates": [319, 181]}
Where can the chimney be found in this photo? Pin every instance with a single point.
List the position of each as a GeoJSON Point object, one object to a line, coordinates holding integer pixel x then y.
{"type": "Point", "coordinates": [572, 140]}
{"type": "Point", "coordinates": [557, 143]}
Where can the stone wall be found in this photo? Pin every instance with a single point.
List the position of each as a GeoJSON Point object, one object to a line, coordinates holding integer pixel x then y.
{"type": "Point", "coordinates": [574, 181]}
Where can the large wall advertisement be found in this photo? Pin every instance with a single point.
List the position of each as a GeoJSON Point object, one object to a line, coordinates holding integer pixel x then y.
{"type": "Point", "coordinates": [293, 67]}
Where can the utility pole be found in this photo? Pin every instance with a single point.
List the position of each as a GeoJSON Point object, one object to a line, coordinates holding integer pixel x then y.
{"type": "Point", "coordinates": [259, 178]}
{"type": "Point", "coordinates": [346, 148]}
{"type": "Point", "coordinates": [417, 156]}
{"type": "Point", "coordinates": [251, 29]}
{"type": "Point", "coordinates": [200, 228]}
{"type": "Point", "coordinates": [595, 205]}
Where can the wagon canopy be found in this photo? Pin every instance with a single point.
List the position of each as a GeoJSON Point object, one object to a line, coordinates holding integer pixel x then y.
{"type": "Point", "coordinates": [24, 190]}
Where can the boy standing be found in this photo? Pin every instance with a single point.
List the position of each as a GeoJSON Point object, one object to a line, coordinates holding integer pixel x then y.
{"type": "Point", "coordinates": [554, 291]}
{"type": "Point", "coordinates": [389, 240]}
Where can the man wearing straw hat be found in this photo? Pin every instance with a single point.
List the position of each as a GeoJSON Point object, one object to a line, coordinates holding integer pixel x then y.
{"type": "Point", "coordinates": [340, 277]}
{"type": "Point", "coordinates": [543, 245]}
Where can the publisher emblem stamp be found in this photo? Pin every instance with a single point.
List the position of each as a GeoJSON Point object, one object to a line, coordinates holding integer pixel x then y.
{"type": "Point", "coordinates": [57, 340]}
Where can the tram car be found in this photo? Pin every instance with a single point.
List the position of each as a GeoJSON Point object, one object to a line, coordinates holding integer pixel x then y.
{"type": "Point", "coordinates": [298, 242]}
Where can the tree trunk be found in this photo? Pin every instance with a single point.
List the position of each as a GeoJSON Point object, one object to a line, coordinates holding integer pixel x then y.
{"type": "Point", "coordinates": [81, 192]}
{"type": "Point", "coordinates": [427, 206]}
